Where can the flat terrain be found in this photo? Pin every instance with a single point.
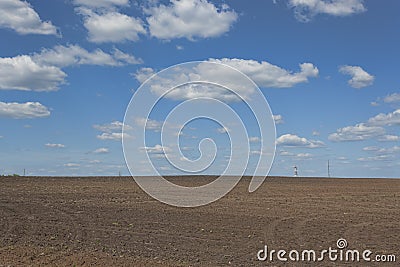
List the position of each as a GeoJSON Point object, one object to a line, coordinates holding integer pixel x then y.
{"type": "Point", "coordinates": [109, 221]}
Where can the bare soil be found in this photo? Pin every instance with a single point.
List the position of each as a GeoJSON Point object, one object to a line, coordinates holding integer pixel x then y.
{"type": "Point", "coordinates": [110, 221]}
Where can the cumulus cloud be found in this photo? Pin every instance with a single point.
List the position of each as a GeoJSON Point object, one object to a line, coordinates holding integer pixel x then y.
{"type": "Point", "coordinates": [194, 90]}
{"type": "Point", "coordinates": [359, 77]}
{"type": "Point", "coordinates": [71, 165]}
{"type": "Point", "coordinates": [151, 125]}
{"type": "Point", "coordinates": [305, 10]}
{"type": "Point", "coordinates": [22, 18]}
{"type": "Point", "coordinates": [22, 73]}
{"type": "Point", "coordinates": [392, 118]}
{"type": "Point", "coordinates": [382, 151]}
{"type": "Point", "coordinates": [55, 145]}
{"type": "Point", "coordinates": [374, 103]}
{"type": "Point", "coordinates": [304, 155]}
{"type": "Point", "coordinates": [189, 19]}
{"type": "Point", "coordinates": [111, 131]}
{"type": "Point", "coordinates": [110, 127]}
{"type": "Point", "coordinates": [157, 149]}
{"type": "Point", "coordinates": [358, 132]}
{"type": "Point", "coordinates": [286, 153]}
{"type": "Point", "coordinates": [278, 119]}
{"type": "Point", "coordinates": [393, 98]}
{"type": "Point", "coordinates": [265, 74]}
{"type": "Point", "coordinates": [62, 56]}
{"type": "Point", "coordinates": [315, 133]}
{"type": "Point", "coordinates": [101, 3]}
{"type": "Point", "coordinates": [111, 26]}
{"type": "Point", "coordinates": [143, 74]}
{"type": "Point", "coordinates": [26, 110]}
{"type": "Point", "coordinates": [110, 136]}
{"type": "Point", "coordinates": [376, 158]}
{"type": "Point", "coordinates": [223, 130]}
{"type": "Point", "coordinates": [370, 148]}
{"type": "Point", "coordinates": [254, 139]}
{"type": "Point", "coordinates": [292, 140]}
{"type": "Point", "coordinates": [296, 155]}
{"type": "Point", "coordinates": [42, 71]}
{"type": "Point", "coordinates": [101, 150]}
{"type": "Point", "coordinates": [389, 138]}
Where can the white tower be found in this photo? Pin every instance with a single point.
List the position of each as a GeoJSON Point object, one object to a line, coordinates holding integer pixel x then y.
{"type": "Point", "coordinates": [295, 171]}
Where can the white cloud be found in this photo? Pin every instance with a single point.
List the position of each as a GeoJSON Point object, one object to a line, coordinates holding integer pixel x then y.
{"type": "Point", "coordinates": [389, 138]}
{"type": "Point", "coordinates": [371, 148]}
{"type": "Point", "coordinates": [305, 10]}
{"type": "Point", "coordinates": [111, 131]}
{"type": "Point", "coordinates": [101, 150]}
{"type": "Point", "coordinates": [151, 125]}
{"type": "Point", "coordinates": [22, 73]}
{"type": "Point", "coordinates": [26, 110]}
{"type": "Point", "coordinates": [278, 119]}
{"type": "Point", "coordinates": [358, 132]}
{"type": "Point", "coordinates": [143, 74]}
{"type": "Point", "coordinates": [157, 149]}
{"type": "Point", "coordinates": [393, 98]}
{"type": "Point", "coordinates": [292, 140]}
{"type": "Point", "coordinates": [359, 77]}
{"type": "Point", "coordinates": [194, 90]}
{"type": "Point", "coordinates": [315, 133]}
{"type": "Point", "coordinates": [111, 26]}
{"type": "Point", "coordinates": [55, 145]}
{"type": "Point", "coordinates": [109, 127]}
{"type": "Point", "coordinates": [304, 155]}
{"type": "Point", "coordinates": [383, 151]}
{"type": "Point", "coordinates": [286, 153]}
{"type": "Point", "coordinates": [294, 155]}
{"type": "Point", "coordinates": [390, 150]}
{"type": "Point", "coordinates": [263, 73]}
{"type": "Point", "coordinates": [389, 119]}
{"type": "Point", "coordinates": [71, 165]}
{"type": "Point", "coordinates": [62, 56]}
{"type": "Point", "coordinates": [254, 139]}
{"type": "Point", "coordinates": [189, 19]}
{"type": "Point", "coordinates": [267, 75]}
{"type": "Point", "coordinates": [376, 158]}
{"type": "Point", "coordinates": [374, 103]}
{"type": "Point", "coordinates": [42, 71]}
{"type": "Point", "coordinates": [101, 3]}
{"type": "Point", "coordinates": [110, 136]}
{"type": "Point", "coordinates": [222, 130]}
{"type": "Point", "coordinates": [22, 18]}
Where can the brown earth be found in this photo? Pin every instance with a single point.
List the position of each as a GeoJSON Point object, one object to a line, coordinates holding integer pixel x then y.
{"type": "Point", "coordinates": [109, 221]}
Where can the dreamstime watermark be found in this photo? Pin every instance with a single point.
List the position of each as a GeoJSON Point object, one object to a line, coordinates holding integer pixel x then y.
{"type": "Point", "coordinates": [173, 98]}
{"type": "Point", "coordinates": [339, 253]}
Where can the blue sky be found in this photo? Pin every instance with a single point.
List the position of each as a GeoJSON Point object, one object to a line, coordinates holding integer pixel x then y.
{"type": "Point", "coordinates": [329, 70]}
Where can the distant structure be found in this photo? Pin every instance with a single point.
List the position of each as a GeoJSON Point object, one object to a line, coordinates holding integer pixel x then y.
{"type": "Point", "coordinates": [295, 171]}
{"type": "Point", "coordinates": [329, 170]}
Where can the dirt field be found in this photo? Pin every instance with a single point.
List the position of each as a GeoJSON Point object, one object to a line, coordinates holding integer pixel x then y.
{"type": "Point", "coordinates": [107, 221]}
